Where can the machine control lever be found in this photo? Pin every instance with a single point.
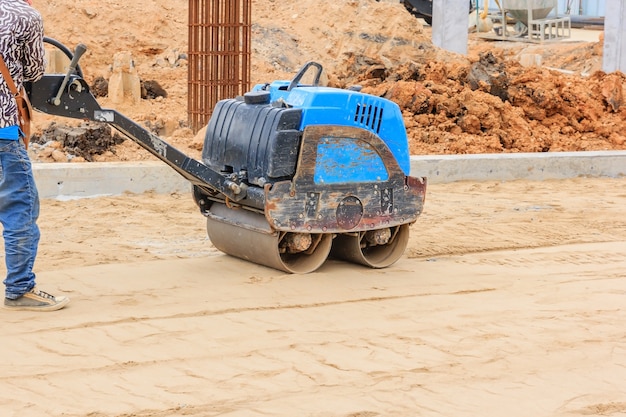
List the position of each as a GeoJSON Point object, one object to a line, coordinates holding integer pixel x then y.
{"type": "Point", "coordinates": [80, 50]}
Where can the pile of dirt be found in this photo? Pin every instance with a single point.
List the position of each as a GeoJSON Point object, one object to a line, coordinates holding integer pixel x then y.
{"type": "Point", "coordinates": [480, 103]}
{"type": "Point", "coordinates": [89, 142]}
{"type": "Point", "coordinates": [493, 105]}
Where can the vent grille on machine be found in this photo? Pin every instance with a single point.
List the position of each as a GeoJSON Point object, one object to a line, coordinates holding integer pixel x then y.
{"type": "Point", "coordinates": [369, 116]}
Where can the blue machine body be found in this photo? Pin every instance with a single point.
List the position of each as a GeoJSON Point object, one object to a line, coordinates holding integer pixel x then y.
{"type": "Point", "coordinates": [334, 106]}
{"type": "Point", "coordinates": [259, 137]}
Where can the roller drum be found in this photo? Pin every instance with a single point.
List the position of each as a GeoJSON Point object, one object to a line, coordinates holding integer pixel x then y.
{"type": "Point", "coordinates": [248, 235]}
{"type": "Point", "coordinates": [356, 248]}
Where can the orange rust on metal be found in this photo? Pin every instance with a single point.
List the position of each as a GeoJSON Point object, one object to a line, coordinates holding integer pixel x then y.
{"type": "Point", "coordinates": [419, 184]}
{"type": "Point", "coordinates": [219, 55]}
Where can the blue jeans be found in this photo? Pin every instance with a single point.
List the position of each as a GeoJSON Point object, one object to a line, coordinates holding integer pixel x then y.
{"type": "Point", "coordinates": [19, 210]}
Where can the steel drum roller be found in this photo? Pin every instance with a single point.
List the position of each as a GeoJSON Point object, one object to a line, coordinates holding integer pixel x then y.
{"type": "Point", "coordinates": [247, 235]}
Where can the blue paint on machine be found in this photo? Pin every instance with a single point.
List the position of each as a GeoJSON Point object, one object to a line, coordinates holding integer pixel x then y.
{"type": "Point", "coordinates": [333, 106]}
{"type": "Point", "coordinates": [345, 160]}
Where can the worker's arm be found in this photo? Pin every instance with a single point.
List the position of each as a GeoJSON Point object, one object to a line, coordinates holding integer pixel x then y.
{"type": "Point", "coordinates": [33, 54]}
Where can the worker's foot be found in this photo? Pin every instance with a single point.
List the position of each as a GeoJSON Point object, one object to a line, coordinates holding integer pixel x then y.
{"type": "Point", "coordinates": [36, 300]}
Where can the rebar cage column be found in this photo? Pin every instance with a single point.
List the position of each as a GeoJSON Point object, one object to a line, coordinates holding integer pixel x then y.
{"type": "Point", "coordinates": [219, 55]}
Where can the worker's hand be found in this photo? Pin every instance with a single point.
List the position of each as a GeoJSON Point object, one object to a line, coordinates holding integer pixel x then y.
{"type": "Point", "coordinates": [30, 2]}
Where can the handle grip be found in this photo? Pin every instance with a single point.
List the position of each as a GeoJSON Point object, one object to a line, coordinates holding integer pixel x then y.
{"type": "Point", "coordinates": [78, 52]}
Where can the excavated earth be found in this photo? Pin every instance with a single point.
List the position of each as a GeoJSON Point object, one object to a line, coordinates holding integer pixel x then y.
{"type": "Point", "coordinates": [482, 102]}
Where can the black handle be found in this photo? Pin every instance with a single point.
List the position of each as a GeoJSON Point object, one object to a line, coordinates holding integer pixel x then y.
{"type": "Point", "coordinates": [303, 70]}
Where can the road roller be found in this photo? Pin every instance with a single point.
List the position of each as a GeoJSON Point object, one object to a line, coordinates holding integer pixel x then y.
{"type": "Point", "coordinates": [291, 173]}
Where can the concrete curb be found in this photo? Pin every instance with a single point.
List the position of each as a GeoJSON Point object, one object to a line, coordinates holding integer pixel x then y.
{"type": "Point", "coordinates": [83, 180]}
{"type": "Point", "coordinates": [528, 166]}
{"type": "Point", "coordinates": [67, 180]}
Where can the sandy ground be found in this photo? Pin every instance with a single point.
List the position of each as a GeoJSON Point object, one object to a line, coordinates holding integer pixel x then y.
{"type": "Point", "coordinates": [509, 301]}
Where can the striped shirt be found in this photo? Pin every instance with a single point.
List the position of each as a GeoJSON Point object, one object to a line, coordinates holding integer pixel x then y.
{"type": "Point", "coordinates": [21, 46]}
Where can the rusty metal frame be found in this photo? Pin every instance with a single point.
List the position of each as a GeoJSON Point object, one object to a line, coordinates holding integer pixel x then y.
{"type": "Point", "coordinates": [301, 205]}
{"type": "Point", "coordinates": [219, 55]}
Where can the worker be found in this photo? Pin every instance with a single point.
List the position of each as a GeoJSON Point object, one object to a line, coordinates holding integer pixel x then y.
{"type": "Point", "coordinates": [22, 49]}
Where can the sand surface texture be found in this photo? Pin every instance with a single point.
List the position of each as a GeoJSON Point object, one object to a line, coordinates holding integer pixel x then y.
{"type": "Point", "coordinates": [508, 301]}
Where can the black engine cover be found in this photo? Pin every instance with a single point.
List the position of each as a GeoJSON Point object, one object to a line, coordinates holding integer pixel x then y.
{"type": "Point", "coordinates": [255, 137]}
